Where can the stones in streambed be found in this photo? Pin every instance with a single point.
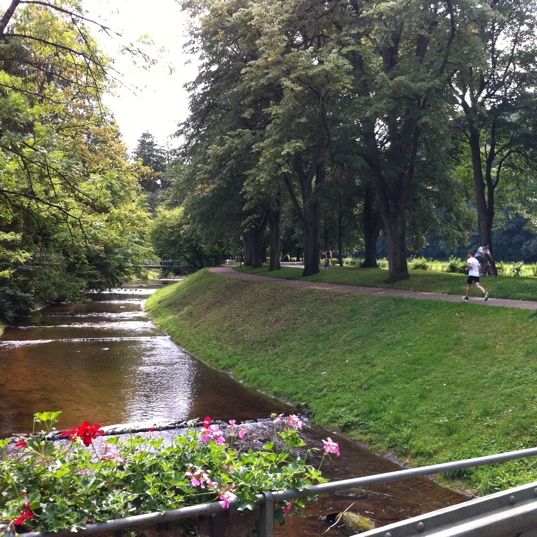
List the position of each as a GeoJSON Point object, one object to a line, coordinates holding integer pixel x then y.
{"type": "Point", "coordinates": [354, 521]}
{"type": "Point", "coordinates": [251, 434]}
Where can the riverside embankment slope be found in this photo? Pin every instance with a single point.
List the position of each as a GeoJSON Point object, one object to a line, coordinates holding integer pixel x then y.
{"type": "Point", "coordinates": [429, 381]}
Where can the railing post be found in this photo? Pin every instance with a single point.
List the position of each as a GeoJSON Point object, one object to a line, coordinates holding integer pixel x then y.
{"type": "Point", "coordinates": [216, 525]}
{"type": "Point", "coordinates": [266, 520]}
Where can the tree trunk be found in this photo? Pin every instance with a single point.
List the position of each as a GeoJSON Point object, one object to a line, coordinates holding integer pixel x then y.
{"type": "Point", "coordinates": [484, 197]}
{"type": "Point", "coordinates": [372, 225]}
{"type": "Point", "coordinates": [340, 239]}
{"type": "Point", "coordinates": [312, 224]}
{"type": "Point", "coordinates": [308, 210]}
{"type": "Point", "coordinates": [312, 251]}
{"type": "Point", "coordinates": [483, 222]}
{"type": "Point", "coordinates": [274, 223]}
{"type": "Point", "coordinates": [254, 248]}
{"type": "Point", "coordinates": [395, 228]}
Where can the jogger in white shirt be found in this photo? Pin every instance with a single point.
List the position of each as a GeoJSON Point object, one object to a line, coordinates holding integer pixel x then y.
{"type": "Point", "coordinates": [473, 276]}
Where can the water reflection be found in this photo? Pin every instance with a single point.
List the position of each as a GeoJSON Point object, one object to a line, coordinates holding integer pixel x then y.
{"type": "Point", "coordinates": [105, 361]}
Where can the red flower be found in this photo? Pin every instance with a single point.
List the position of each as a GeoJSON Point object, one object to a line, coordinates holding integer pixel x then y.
{"type": "Point", "coordinates": [21, 443]}
{"type": "Point", "coordinates": [25, 516]}
{"type": "Point", "coordinates": [207, 420]}
{"type": "Point", "coordinates": [86, 431]}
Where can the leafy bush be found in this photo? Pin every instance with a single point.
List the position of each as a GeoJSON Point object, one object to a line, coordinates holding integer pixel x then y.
{"type": "Point", "coordinates": [14, 304]}
{"type": "Point", "coordinates": [456, 265]}
{"type": "Point", "coordinates": [50, 485]}
{"type": "Point", "coordinates": [517, 269]}
{"type": "Point", "coordinates": [418, 263]}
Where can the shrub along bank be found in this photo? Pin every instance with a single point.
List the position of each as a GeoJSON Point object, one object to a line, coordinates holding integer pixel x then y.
{"type": "Point", "coordinates": [428, 381]}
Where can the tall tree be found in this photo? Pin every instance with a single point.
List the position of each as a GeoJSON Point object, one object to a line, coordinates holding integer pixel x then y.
{"type": "Point", "coordinates": [400, 61]}
{"type": "Point", "coordinates": [495, 93]}
{"type": "Point", "coordinates": [66, 187]}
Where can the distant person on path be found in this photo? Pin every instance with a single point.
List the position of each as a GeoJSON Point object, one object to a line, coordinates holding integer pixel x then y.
{"type": "Point", "coordinates": [473, 276]}
{"type": "Point", "coordinates": [327, 258]}
{"type": "Point", "coordinates": [484, 257]}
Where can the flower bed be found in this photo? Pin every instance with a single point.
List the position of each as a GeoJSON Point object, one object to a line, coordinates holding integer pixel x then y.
{"type": "Point", "coordinates": [49, 485]}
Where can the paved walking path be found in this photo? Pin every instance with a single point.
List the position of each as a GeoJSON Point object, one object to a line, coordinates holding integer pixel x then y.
{"type": "Point", "coordinates": [229, 272]}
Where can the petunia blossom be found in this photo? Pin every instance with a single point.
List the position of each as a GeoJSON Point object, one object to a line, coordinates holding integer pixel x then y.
{"type": "Point", "coordinates": [330, 446]}
{"type": "Point", "coordinates": [207, 420]}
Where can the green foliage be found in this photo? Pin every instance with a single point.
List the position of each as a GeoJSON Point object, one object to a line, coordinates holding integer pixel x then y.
{"type": "Point", "coordinates": [418, 263]}
{"type": "Point", "coordinates": [517, 268]}
{"type": "Point", "coordinates": [175, 236]}
{"type": "Point", "coordinates": [456, 265]}
{"type": "Point", "coordinates": [429, 381]}
{"type": "Point", "coordinates": [70, 211]}
{"type": "Point", "coordinates": [14, 304]}
{"type": "Point", "coordinates": [69, 484]}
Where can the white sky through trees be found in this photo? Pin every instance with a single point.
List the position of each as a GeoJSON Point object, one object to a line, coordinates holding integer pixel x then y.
{"type": "Point", "coordinates": [148, 98]}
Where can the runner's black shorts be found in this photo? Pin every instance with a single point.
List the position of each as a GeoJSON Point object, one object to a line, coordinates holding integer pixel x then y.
{"type": "Point", "coordinates": [472, 279]}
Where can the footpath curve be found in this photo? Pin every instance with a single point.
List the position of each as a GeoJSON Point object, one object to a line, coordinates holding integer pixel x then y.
{"type": "Point", "coordinates": [229, 272]}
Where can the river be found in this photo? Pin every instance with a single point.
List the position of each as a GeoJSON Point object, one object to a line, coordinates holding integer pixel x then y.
{"type": "Point", "coordinates": [106, 362]}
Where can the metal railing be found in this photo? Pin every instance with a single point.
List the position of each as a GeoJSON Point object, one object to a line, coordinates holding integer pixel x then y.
{"type": "Point", "coordinates": [268, 499]}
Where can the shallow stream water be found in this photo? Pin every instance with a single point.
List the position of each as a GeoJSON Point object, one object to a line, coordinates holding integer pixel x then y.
{"type": "Point", "coordinates": [106, 362]}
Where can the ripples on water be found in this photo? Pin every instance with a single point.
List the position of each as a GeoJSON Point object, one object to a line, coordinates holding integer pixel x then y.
{"type": "Point", "coordinates": [106, 361]}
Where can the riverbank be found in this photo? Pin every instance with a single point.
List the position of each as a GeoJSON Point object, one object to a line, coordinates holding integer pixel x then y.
{"type": "Point", "coordinates": [425, 380]}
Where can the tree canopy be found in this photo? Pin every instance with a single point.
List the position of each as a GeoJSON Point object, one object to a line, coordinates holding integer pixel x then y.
{"type": "Point", "coordinates": [70, 212]}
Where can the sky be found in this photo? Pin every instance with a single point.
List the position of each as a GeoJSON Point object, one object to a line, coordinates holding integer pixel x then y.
{"type": "Point", "coordinates": [147, 99]}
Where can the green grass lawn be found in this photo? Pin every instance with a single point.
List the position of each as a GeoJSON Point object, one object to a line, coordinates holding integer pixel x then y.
{"type": "Point", "coordinates": [420, 280]}
{"type": "Point", "coordinates": [428, 381]}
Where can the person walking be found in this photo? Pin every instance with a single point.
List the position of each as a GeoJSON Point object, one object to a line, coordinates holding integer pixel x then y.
{"type": "Point", "coordinates": [327, 258]}
{"type": "Point", "coordinates": [473, 277]}
{"type": "Point", "coordinates": [485, 259]}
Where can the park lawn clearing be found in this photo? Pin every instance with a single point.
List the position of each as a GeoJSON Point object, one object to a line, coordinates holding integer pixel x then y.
{"type": "Point", "coordinates": [428, 381]}
{"type": "Point", "coordinates": [516, 288]}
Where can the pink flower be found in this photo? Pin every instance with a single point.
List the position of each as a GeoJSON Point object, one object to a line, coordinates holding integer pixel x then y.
{"type": "Point", "coordinates": [243, 431]}
{"type": "Point", "coordinates": [227, 497]}
{"type": "Point", "coordinates": [213, 432]}
{"type": "Point", "coordinates": [232, 423]}
{"type": "Point", "coordinates": [111, 453]}
{"type": "Point", "coordinates": [207, 420]}
{"type": "Point", "coordinates": [288, 508]}
{"type": "Point", "coordinates": [330, 446]}
{"type": "Point", "coordinates": [291, 422]}
{"type": "Point", "coordinates": [200, 478]}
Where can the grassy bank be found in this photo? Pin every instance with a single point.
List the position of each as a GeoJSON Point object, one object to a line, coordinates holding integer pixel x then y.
{"type": "Point", "coordinates": [420, 280]}
{"type": "Point", "coordinates": [429, 381]}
